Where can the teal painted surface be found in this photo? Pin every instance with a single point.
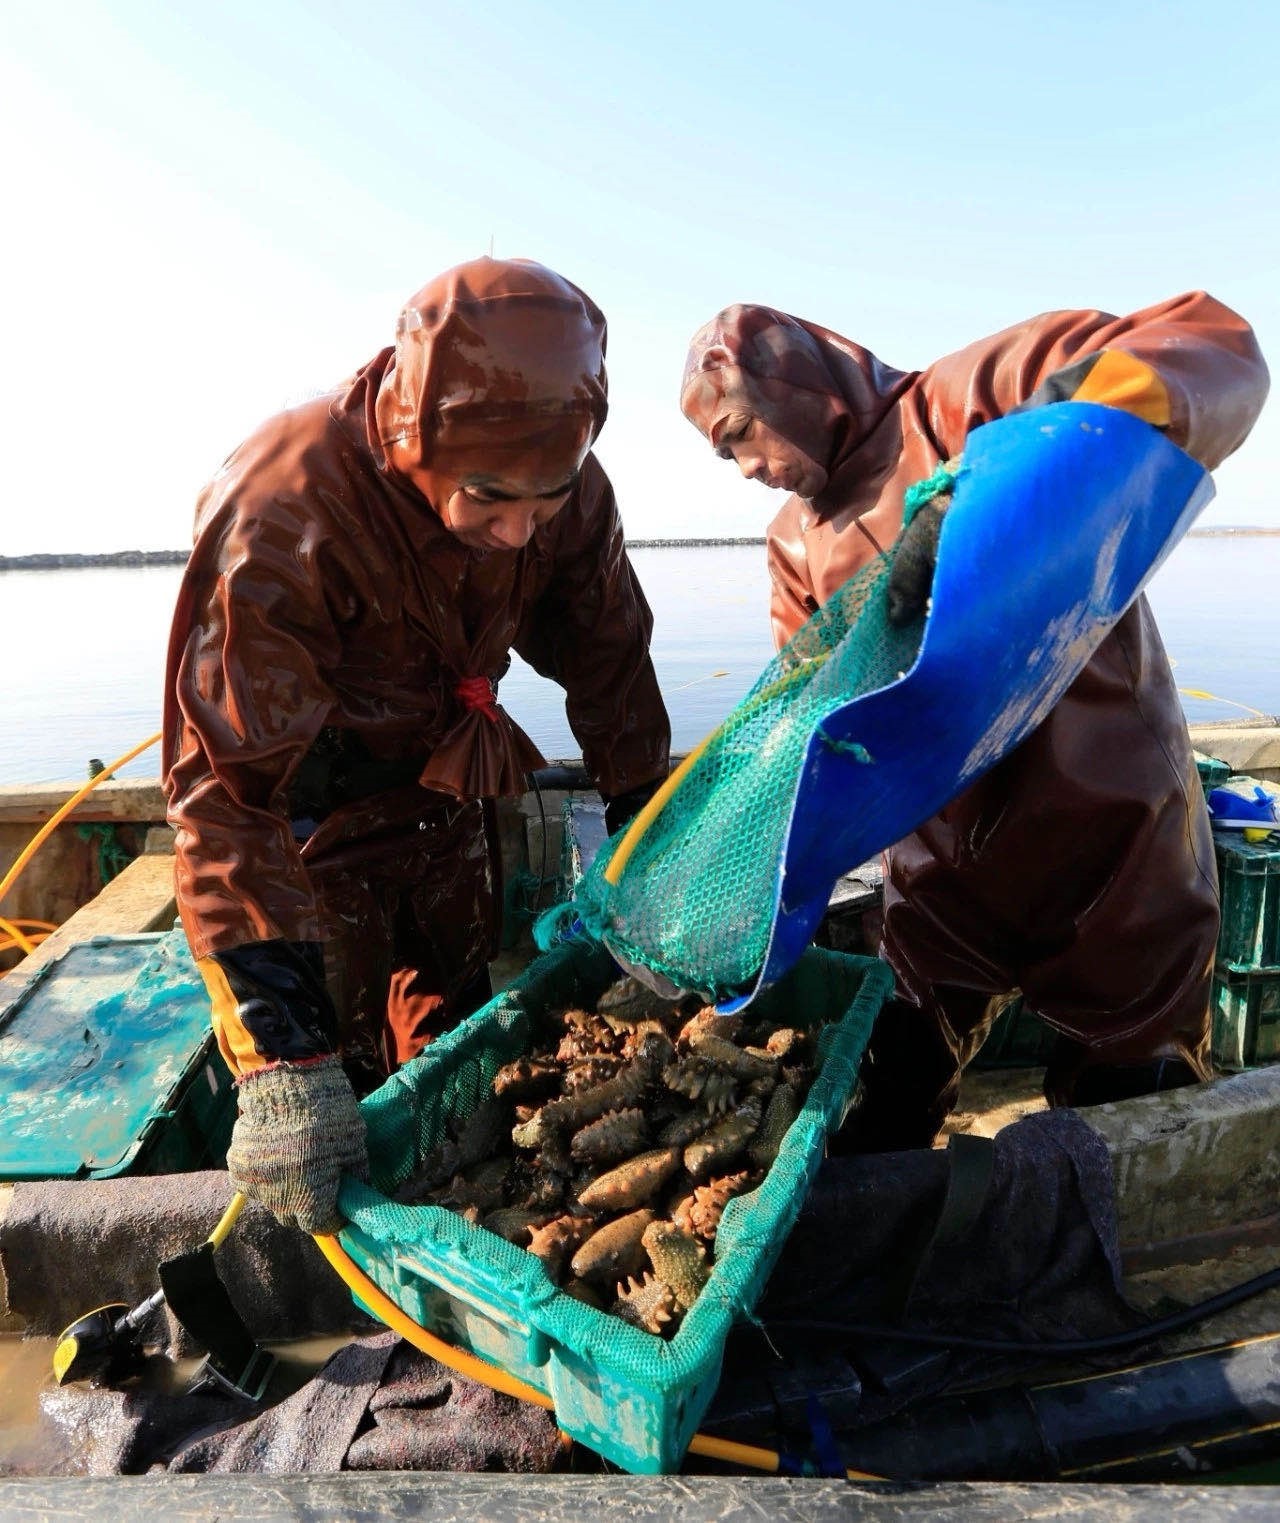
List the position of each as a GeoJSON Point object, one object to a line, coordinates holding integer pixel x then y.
{"type": "Point", "coordinates": [632, 1397]}
{"type": "Point", "coordinates": [107, 1065]}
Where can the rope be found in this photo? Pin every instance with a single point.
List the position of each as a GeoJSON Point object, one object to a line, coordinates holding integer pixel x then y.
{"type": "Point", "coordinates": [476, 694]}
{"type": "Point", "coordinates": [940, 484]}
{"type": "Point", "coordinates": [112, 856]}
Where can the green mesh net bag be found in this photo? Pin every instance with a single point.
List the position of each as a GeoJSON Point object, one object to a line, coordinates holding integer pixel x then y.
{"type": "Point", "coordinates": [689, 892]}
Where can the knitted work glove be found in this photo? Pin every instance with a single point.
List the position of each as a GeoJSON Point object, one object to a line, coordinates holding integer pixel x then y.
{"type": "Point", "coordinates": [298, 1132]}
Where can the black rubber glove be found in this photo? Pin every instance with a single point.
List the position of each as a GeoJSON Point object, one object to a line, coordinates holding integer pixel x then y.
{"type": "Point", "coordinates": [622, 808]}
{"type": "Point", "coordinates": [911, 579]}
{"type": "Point", "coordinates": [281, 999]}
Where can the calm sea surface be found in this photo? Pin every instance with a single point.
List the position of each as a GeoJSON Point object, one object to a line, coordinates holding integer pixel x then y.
{"type": "Point", "coordinates": [83, 650]}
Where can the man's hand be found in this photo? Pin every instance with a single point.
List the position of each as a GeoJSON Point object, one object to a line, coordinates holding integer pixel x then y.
{"type": "Point", "coordinates": [621, 808]}
{"type": "Point", "coordinates": [911, 580]}
{"type": "Point", "coordinates": [298, 1132]}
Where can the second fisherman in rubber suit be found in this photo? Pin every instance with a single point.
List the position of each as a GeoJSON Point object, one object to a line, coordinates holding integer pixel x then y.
{"type": "Point", "coordinates": [1080, 869]}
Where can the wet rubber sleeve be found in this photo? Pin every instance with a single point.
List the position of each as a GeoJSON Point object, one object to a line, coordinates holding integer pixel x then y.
{"type": "Point", "coordinates": [270, 1004]}
{"type": "Point", "coordinates": [1189, 365]}
{"type": "Point", "coordinates": [253, 640]}
{"type": "Point", "coordinates": [1110, 378]}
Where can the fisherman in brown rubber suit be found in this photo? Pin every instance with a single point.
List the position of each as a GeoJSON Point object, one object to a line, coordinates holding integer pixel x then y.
{"type": "Point", "coordinates": [1080, 869]}
{"type": "Point", "coordinates": [363, 566]}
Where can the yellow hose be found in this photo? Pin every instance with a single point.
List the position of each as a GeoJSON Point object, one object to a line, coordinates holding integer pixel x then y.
{"type": "Point", "coordinates": [21, 929]}
{"type": "Point", "coordinates": [646, 817]}
{"type": "Point", "coordinates": [52, 823]}
{"type": "Point", "coordinates": [228, 1220]}
{"type": "Point", "coordinates": [16, 938]}
{"type": "Point", "coordinates": [399, 1321]}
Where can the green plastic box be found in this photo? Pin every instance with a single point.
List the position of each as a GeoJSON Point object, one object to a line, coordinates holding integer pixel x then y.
{"type": "Point", "coordinates": [108, 1066]}
{"type": "Point", "coordinates": [1213, 773]}
{"type": "Point", "coordinates": [1018, 1039]}
{"type": "Point", "coordinates": [1246, 1019]}
{"type": "Point", "coordinates": [631, 1396]}
{"type": "Point", "coordinates": [1249, 886]}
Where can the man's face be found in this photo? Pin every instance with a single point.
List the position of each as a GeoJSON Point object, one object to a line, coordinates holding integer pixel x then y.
{"type": "Point", "coordinates": [764, 455]}
{"type": "Point", "coordinates": [488, 512]}
{"type": "Point", "coordinates": [499, 514]}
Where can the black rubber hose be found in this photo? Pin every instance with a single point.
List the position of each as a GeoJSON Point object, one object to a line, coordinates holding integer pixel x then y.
{"type": "Point", "coordinates": [1173, 1323]}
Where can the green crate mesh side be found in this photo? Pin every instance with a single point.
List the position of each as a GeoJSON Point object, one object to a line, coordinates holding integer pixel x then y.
{"type": "Point", "coordinates": [408, 1117]}
{"type": "Point", "coordinates": [823, 984]}
{"type": "Point", "coordinates": [698, 891]}
{"type": "Point", "coordinates": [1211, 770]}
{"type": "Point", "coordinates": [1249, 887]}
{"type": "Point", "coordinates": [1246, 1017]}
{"type": "Point", "coordinates": [1231, 1041]}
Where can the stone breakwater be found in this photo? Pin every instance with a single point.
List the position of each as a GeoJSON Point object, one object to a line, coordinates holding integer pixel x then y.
{"type": "Point", "coordinates": [60, 562]}
{"type": "Point", "coordinates": [56, 562]}
{"type": "Point", "coordinates": [107, 558]}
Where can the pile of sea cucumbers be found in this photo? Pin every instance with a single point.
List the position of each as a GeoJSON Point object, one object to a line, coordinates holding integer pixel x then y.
{"type": "Point", "coordinates": [611, 1151]}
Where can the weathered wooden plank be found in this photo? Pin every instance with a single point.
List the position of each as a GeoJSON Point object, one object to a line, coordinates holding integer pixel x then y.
{"type": "Point", "coordinates": [140, 899]}
{"type": "Point", "coordinates": [120, 799]}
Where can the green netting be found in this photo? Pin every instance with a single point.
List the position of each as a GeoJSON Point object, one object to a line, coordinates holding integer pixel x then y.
{"type": "Point", "coordinates": [629, 1395]}
{"type": "Point", "coordinates": [698, 890]}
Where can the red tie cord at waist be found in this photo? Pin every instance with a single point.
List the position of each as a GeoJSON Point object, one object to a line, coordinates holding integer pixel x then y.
{"type": "Point", "coordinates": [477, 693]}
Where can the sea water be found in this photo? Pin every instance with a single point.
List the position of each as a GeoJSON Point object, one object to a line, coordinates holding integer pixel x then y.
{"type": "Point", "coordinates": [82, 651]}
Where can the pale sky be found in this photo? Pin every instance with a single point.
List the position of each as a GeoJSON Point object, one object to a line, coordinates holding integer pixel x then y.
{"type": "Point", "coordinates": [215, 210]}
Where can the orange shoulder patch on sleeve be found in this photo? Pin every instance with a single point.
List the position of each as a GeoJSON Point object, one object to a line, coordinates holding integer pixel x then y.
{"type": "Point", "coordinates": [1119, 380]}
{"type": "Point", "coordinates": [234, 1042]}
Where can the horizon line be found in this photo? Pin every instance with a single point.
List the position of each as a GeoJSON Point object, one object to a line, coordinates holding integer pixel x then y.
{"type": "Point", "coordinates": [51, 559]}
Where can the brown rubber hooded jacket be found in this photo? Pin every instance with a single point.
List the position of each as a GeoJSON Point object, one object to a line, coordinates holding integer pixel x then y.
{"type": "Point", "coordinates": [336, 649]}
{"type": "Point", "coordinates": [1080, 869]}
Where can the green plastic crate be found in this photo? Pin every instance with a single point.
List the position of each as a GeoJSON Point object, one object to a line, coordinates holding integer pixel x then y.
{"type": "Point", "coordinates": [1018, 1039]}
{"type": "Point", "coordinates": [1246, 1019]}
{"type": "Point", "coordinates": [632, 1397]}
{"type": "Point", "coordinates": [1213, 773]}
{"type": "Point", "coordinates": [108, 1065]}
{"type": "Point", "coordinates": [1249, 885]}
